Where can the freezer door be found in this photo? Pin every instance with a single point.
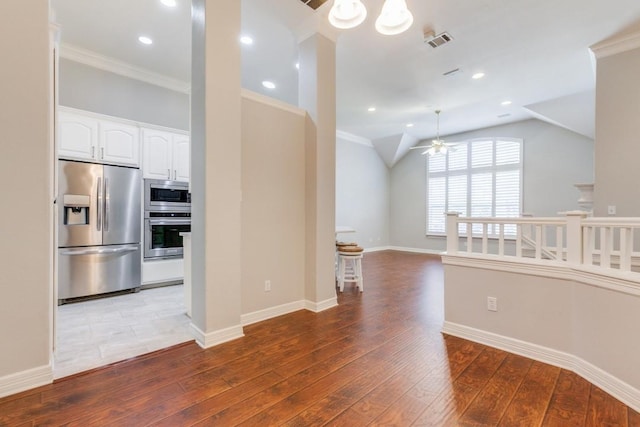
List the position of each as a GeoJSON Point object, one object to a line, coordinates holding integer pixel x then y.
{"type": "Point", "coordinates": [79, 204]}
{"type": "Point", "coordinates": [97, 270]}
{"type": "Point", "coordinates": [122, 205]}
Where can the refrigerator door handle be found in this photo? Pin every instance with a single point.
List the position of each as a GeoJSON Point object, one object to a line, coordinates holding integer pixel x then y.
{"type": "Point", "coordinates": [99, 251]}
{"type": "Point", "coordinates": [106, 204]}
{"type": "Point", "coordinates": [99, 204]}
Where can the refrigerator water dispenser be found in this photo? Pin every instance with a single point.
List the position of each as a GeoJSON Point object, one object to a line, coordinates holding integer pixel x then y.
{"type": "Point", "coordinates": [76, 209]}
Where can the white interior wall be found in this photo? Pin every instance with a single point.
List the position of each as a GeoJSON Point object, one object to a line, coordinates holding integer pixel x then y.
{"type": "Point", "coordinates": [362, 194]}
{"type": "Point", "coordinates": [554, 160]}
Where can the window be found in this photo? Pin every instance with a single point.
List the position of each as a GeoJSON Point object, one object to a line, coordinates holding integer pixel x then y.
{"type": "Point", "coordinates": [478, 178]}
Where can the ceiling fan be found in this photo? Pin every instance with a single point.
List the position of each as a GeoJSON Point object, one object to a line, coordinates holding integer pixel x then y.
{"type": "Point", "coordinates": [437, 145]}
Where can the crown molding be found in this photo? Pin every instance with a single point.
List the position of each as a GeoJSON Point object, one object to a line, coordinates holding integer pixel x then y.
{"type": "Point", "coordinates": [264, 99]}
{"type": "Point", "coordinates": [615, 45]}
{"type": "Point", "coordinates": [353, 138]}
{"type": "Point", "coordinates": [87, 57]}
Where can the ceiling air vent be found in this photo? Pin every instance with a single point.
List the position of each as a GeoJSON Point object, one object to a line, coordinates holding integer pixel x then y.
{"type": "Point", "coordinates": [437, 41]}
{"type": "Point", "coordinates": [313, 4]}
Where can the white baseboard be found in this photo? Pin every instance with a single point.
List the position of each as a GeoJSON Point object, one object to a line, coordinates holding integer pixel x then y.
{"type": "Point", "coordinates": [317, 307]}
{"type": "Point", "coordinates": [211, 339]}
{"type": "Point", "coordinates": [25, 380]}
{"type": "Point", "coordinates": [607, 382]}
{"type": "Point", "coordinates": [268, 313]}
{"type": "Point", "coordinates": [377, 249]}
{"type": "Point", "coordinates": [415, 250]}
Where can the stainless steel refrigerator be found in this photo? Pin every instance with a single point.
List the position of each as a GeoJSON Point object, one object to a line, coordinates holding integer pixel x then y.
{"type": "Point", "coordinates": [99, 220]}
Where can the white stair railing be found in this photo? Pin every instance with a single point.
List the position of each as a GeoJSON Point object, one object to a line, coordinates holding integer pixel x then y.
{"type": "Point", "coordinates": [603, 243]}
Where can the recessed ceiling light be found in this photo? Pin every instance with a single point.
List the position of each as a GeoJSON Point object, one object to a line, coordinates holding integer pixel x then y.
{"type": "Point", "coordinates": [409, 125]}
{"type": "Point", "coordinates": [505, 103]}
{"type": "Point", "coordinates": [246, 40]}
{"type": "Point", "coordinates": [477, 76]}
{"type": "Point", "coordinates": [371, 109]}
{"type": "Point", "coordinates": [268, 84]}
{"type": "Point", "coordinates": [145, 40]}
{"type": "Point", "coordinates": [169, 3]}
{"type": "Point", "coordinates": [297, 65]}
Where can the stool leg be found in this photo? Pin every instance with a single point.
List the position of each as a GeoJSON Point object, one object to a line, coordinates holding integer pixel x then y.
{"type": "Point", "coordinates": [341, 272]}
{"type": "Point", "coordinates": [359, 272]}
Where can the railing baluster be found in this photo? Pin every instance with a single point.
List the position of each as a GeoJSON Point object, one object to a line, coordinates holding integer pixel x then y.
{"type": "Point", "coordinates": [626, 247]}
{"type": "Point", "coordinates": [519, 240]}
{"type": "Point", "coordinates": [559, 244]}
{"type": "Point", "coordinates": [469, 237]}
{"type": "Point", "coordinates": [485, 238]}
{"type": "Point", "coordinates": [606, 243]}
{"type": "Point", "coordinates": [501, 239]}
{"type": "Point", "coordinates": [538, 241]}
{"type": "Point", "coordinates": [589, 242]}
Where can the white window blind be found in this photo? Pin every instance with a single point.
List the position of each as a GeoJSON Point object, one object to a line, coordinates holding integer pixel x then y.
{"type": "Point", "coordinates": [479, 178]}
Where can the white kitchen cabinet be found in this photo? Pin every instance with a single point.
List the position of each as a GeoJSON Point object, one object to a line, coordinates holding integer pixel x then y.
{"type": "Point", "coordinates": [85, 137]}
{"type": "Point", "coordinates": [77, 136]}
{"type": "Point", "coordinates": [165, 155]}
{"type": "Point", "coordinates": [119, 143]}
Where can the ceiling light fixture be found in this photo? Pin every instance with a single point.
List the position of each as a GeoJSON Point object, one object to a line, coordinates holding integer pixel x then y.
{"type": "Point", "coordinates": [246, 40]}
{"type": "Point", "coordinates": [505, 103]}
{"type": "Point", "coordinates": [394, 18]}
{"type": "Point", "coordinates": [477, 76]}
{"type": "Point", "coordinates": [345, 14]}
{"type": "Point", "coordinates": [268, 84]}
{"type": "Point", "coordinates": [409, 125]}
{"type": "Point", "coordinates": [145, 40]}
{"type": "Point", "coordinates": [438, 146]}
{"type": "Point", "coordinates": [371, 109]}
{"type": "Point", "coordinates": [169, 3]}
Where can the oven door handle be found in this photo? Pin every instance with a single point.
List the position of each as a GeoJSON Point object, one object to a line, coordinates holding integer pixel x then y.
{"type": "Point", "coordinates": [100, 251]}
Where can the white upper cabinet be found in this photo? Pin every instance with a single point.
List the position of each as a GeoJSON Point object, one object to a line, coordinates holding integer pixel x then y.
{"type": "Point", "coordinates": [77, 136]}
{"type": "Point", "coordinates": [181, 159]}
{"type": "Point", "coordinates": [165, 155]}
{"type": "Point", "coordinates": [99, 140]}
{"type": "Point", "coordinates": [119, 143]}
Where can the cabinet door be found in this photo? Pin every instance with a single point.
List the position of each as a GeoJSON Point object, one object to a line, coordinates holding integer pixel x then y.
{"type": "Point", "coordinates": [119, 143]}
{"type": "Point", "coordinates": [156, 154]}
{"type": "Point", "coordinates": [77, 136]}
{"type": "Point", "coordinates": [181, 160]}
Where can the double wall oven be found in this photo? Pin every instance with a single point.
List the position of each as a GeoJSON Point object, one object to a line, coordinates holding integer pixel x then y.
{"type": "Point", "coordinates": [167, 213]}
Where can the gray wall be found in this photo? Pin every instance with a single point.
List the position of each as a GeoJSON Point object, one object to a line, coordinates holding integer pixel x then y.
{"type": "Point", "coordinates": [554, 160]}
{"type": "Point", "coordinates": [92, 89]}
{"type": "Point", "coordinates": [617, 132]}
{"type": "Point", "coordinates": [362, 194]}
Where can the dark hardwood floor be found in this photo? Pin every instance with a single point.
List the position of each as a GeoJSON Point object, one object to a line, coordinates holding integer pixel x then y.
{"type": "Point", "coordinates": [377, 359]}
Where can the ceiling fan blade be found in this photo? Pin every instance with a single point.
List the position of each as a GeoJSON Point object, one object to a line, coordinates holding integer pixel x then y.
{"type": "Point", "coordinates": [419, 146]}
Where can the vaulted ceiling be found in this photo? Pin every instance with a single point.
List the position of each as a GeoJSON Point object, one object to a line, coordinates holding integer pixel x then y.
{"type": "Point", "coordinates": [534, 53]}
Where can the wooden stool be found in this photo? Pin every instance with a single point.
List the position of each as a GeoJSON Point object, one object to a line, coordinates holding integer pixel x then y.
{"type": "Point", "coordinates": [350, 266]}
{"type": "Point", "coordinates": [340, 245]}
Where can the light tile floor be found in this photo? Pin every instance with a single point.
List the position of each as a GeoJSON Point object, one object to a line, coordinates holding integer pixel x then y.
{"type": "Point", "coordinates": [102, 331]}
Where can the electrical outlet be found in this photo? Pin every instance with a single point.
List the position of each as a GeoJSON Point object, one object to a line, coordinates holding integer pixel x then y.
{"type": "Point", "coordinates": [267, 285]}
{"type": "Point", "coordinates": [611, 210]}
{"type": "Point", "coordinates": [492, 303]}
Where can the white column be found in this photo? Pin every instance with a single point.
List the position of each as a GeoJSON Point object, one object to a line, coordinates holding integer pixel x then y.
{"type": "Point", "coordinates": [216, 171]}
{"type": "Point", "coordinates": [317, 95]}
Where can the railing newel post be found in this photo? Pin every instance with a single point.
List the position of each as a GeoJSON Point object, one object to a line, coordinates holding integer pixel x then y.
{"type": "Point", "coordinates": [574, 236]}
{"type": "Point", "coordinates": [452, 232]}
